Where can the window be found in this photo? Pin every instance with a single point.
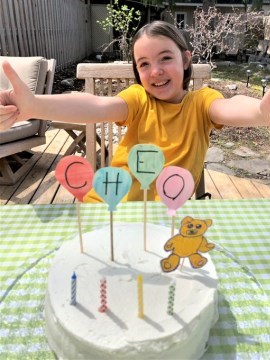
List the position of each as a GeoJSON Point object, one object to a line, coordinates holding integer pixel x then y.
{"type": "Point", "coordinates": [181, 19]}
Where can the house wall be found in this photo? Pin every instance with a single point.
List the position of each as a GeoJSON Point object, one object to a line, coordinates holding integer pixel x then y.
{"type": "Point", "coordinates": [99, 36]}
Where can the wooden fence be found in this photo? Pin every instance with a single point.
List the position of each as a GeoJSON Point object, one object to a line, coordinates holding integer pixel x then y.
{"type": "Point", "coordinates": [59, 29]}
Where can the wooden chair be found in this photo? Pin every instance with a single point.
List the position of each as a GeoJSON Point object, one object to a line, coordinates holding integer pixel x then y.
{"type": "Point", "coordinates": [77, 132]}
{"type": "Point", "coordinates": [16, 156]}
{"type": "Point", "coordinates": [109, 79]}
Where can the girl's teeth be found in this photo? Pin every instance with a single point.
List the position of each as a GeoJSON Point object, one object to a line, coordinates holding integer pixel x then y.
{"type": "Point", "coordinates": [160, 84]}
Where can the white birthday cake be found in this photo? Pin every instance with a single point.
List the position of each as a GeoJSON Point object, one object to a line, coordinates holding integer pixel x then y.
{"type": "Point", "coordinates": [82, 331]}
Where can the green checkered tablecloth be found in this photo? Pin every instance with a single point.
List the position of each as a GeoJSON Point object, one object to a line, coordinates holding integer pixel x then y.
{"type": "Point", "coordinates": [31, 234]}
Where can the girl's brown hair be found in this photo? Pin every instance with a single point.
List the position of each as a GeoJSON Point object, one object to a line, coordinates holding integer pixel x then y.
{"type": "Point", "coordinates": [158, 28]}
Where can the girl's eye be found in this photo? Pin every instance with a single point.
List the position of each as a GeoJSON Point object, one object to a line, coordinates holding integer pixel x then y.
{"type": "Point", "coordinates": [143, 64]}
{"type": "Point", "coordinates": [166, 58]}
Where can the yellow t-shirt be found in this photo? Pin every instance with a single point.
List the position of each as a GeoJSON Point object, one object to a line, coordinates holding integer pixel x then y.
{"type": "Point", "coordinates": [181, 131]}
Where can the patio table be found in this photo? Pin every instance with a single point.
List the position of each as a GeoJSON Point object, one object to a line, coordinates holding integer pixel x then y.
{"type": "Point", "coordinates": [31, 234]}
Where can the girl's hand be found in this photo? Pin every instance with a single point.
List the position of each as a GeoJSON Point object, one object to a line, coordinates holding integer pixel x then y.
{"type": "Point", "coordinates": [265, 107]}
{"type": "Point", "coordinates": [15, 104]}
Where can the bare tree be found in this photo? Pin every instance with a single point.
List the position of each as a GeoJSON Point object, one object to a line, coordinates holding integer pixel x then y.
{"type": "Point", "coordinates": [214, 32]}
{"type": "Point", "coordinates": [255, 29]}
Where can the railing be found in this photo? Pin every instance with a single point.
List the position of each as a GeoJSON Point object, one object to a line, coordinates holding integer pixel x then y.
{"type": "Point", "coordinates": [58, 29]}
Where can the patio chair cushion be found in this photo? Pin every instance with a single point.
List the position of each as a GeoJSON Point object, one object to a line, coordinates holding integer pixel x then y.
{"type": "Point", "coordinates": [20, 130]}
{"type": "Point", "coordinates": [33, 71]}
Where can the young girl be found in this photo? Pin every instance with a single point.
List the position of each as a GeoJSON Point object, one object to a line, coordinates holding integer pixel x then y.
{"type": "Point", "coordinates": [158, 110]}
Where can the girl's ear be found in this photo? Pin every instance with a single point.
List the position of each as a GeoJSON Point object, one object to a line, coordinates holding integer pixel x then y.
{"type": "Point", "coordinates": [187, 59]}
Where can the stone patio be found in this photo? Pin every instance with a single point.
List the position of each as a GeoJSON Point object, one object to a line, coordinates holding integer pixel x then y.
{"type": "Point", "coordinates": [246, 160]}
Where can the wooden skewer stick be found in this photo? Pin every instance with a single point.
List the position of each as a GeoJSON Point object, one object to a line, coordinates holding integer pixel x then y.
{"type": "Point", "coordinates": [145, 216]}
{"type": "Point", "coordinates": [181, 267]}
{"type": "Point", "coordinates": [78, 208]}
{"type": "Point", "coordinates": [173, 225]}
{"type": "Point", "coordinates": [140, 296]}
{"type": "Point", "coordinates": [111, 235]}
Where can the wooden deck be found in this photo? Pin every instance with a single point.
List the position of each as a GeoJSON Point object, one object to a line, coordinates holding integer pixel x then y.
{"type": "Point", "coordinates": [41, 187]}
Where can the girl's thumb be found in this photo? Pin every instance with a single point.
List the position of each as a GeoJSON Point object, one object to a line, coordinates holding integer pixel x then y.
{"type": "Point", "coordinates": [12, 76]}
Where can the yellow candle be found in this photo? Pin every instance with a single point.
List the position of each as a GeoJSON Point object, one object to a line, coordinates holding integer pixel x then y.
{"type": "Point", "coordinates": [140, 296]}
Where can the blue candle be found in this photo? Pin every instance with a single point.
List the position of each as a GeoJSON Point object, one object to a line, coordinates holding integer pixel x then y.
{"type": "Point", "coordinates": [73, 289]}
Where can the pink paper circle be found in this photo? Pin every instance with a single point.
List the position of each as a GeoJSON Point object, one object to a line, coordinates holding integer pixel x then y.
{"type": "Point", "coordinates": [175, 186]}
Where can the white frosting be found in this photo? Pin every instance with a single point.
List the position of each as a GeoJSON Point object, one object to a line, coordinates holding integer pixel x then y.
{"type": "Point", "coordinates": [82, 332]}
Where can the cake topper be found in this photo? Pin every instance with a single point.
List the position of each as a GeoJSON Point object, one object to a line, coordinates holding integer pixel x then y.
{"type": "Point", "coordinates": [75, 174]}
{"type": "Point", "coordinates": [145, 162]}
{"type": "Point", "coordinates": [112, 184]}
{"type": "Point", "coordinates": [188, 243]}
{"type": "Point", "coordinates": [175, 186]}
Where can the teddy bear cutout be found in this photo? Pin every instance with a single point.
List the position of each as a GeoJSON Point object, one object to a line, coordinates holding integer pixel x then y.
{"type": "Point", "coordinates": [188, 243]}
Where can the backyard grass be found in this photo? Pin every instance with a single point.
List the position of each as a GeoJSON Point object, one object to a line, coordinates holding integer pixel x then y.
{"type": "Point", "coordinates": [237, 72]}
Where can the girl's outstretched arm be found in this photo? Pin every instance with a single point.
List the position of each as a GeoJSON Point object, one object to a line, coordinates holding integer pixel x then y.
{"type": "Point", "coordinates": [21, 104]}
{"type": "Point", "coordinates": [241, 111]}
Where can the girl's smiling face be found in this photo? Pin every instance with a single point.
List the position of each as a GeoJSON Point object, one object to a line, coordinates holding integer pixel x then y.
{"type": "Point", "coordinates": [161, 68]}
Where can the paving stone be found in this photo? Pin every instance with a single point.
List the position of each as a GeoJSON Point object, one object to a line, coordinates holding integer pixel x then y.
{"type": "Point", "coordinates": [214, 155]}
{"type": "Point", "coordinates": [229, 145]}
{"type": "Point", "coordinates": [253, 166]}
{"type": "Point", "coordinates": [220, 168]}
{"type": "Point", "coordinates": [244, 151]}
